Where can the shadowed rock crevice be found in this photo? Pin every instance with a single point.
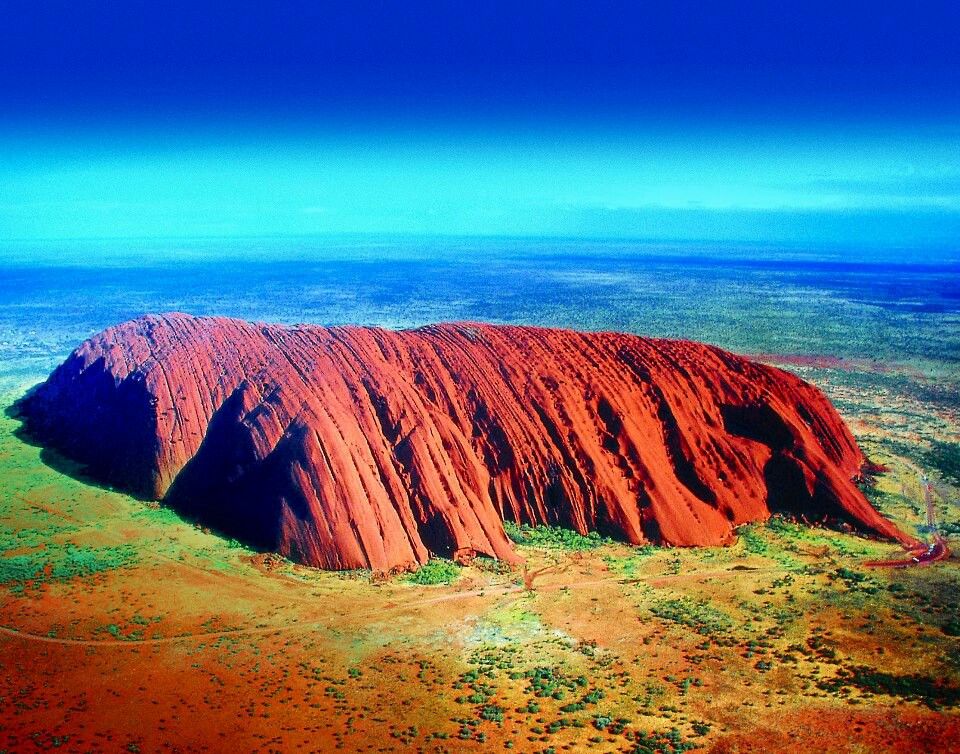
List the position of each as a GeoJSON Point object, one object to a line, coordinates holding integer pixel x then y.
{"type": "Point", "coordinates": [228, 485]}
{"type": "Point", "coordinates": [791, 491]}
{"type": "Point", "coordinates": [760, 423]}
{"type": "Point", "coordinates": [366, 448]}
{"type": "Point", "coordinates": [87, 432]}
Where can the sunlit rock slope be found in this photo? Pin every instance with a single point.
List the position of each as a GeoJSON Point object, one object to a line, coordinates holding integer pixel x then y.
{"type": "Point", "coordinates": [356, 447]}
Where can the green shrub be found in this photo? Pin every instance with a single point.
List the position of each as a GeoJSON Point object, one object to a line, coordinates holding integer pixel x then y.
{"type": "Point", "coordinates": [929, 691]}
{"type": "Point", "coordinates": [435, 571]}
{"type": "Point", "coordinates": [602, 722]}
{"type": "Point", "coordinates": [658, 742]}
{"type": "Point", "coordinates": [945, 458]}
{"type": "Point", "coordinates": [555, 537]}
{"type": "Point", "coordinates": [753, 543]}
{"type": "Point", "coordinates": [700, 616]}
{"type": "Point", "coordinates": [492, 712]}
{"type": "Point", "coordinates": [63, 562]}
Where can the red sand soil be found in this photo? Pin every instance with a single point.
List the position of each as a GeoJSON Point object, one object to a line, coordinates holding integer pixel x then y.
{"type": "Point", "coordinates": [847, 364]}
{"type": "Point", "coordinates": [831, 730]}
{"type": "Point", "coordinates": [357, 447]}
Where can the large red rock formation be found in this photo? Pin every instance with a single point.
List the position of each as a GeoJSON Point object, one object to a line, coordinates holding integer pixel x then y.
{"type": "Point", "coordinates": [358, 447]}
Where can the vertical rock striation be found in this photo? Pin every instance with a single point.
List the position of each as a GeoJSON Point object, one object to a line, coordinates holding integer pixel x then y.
{"type": "Point", "coordinates": [357, 447]}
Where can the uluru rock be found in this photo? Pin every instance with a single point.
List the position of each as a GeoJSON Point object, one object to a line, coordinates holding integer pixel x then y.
{"type": "Point", "coordinates": [359, 447]}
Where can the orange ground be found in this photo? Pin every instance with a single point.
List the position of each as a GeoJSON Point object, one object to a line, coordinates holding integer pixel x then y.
{"type": "Point", "coordinates": [124, 628]}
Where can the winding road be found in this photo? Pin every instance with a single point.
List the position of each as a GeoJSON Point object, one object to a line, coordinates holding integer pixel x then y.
{"type": "Point", "coordinates": [936, 550]}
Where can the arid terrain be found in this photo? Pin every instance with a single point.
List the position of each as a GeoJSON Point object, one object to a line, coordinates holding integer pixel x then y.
{"type": "Point", "coordinates": [124, 627]}
{"type": "Point", "coordinates": [127, 628]}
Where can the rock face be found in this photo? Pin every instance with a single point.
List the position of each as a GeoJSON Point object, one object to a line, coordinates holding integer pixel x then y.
{"type": "Point", "coordinates": [356, 447]}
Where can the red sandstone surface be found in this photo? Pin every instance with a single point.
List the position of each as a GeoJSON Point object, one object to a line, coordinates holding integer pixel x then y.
{"type": "Point", "coordinates": [358, 447]}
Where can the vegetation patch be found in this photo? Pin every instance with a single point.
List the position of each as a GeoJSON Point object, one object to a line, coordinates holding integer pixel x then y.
{"type": "Point", "coordinates": [435, 571]}
{"type": "Point", "coordinates": [854, 580]}
{"type": "Point", "coordinates": [63, 563]}
{"type": "Point", "coordinates": [945, 458]}
{"type": "Point", "coordinates": [661, 742]}
{"type": "Point", "coordinates": [555, 537]}
{"type": "Point", "coordinates": [702, 617]}
{"type": "Point", "coordinates": [911, 687]}
{"type": "Point", "coordinates": [629, 566]}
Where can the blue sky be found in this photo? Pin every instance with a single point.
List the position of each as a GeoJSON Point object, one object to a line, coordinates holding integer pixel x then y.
{"type": "Point", "coordinates": [819, 122]}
